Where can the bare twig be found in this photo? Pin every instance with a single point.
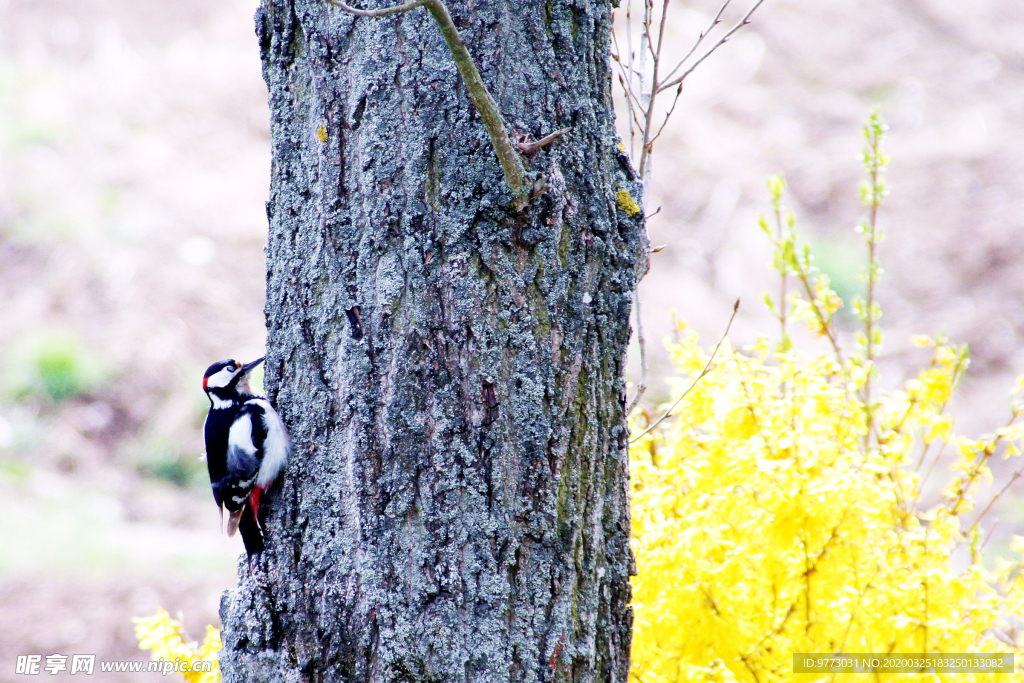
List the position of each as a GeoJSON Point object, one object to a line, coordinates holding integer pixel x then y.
{"type": "Point", "coordinates": [750, 408]}
{"type": "Point", "coordinates": [532, 147]}
{"type": "Point", "coordinates": [1016, 475]}
{"type": "Point", "coordinates": [700, 39]}
{"type": "Point", "coordinates": [853, 613]}
{"type": "Point", "coordinates": [931, 467]}
{"type": "Point", "coordinates": [988, 536]}
{"type": "Point", "coordinates": [707, 368]}
{"type": "Point", "coordinates": [641, 86]}
{"type": "Point", "coordinates": [784, 269]}
{"type": "Point", "coordinates": [970, 476]}
{"type": "Point", "coordinates": [649, 90]}
{"type": "Point", "coordinates": [626, 80]}
{"type": "Point", "coordinates": [875, 163]}
{"type": "Point", "coordinates": [387, 11]}
{"type": "Point", "coordinates": [629, 70]}
{"type": "Point", "coordinates": [642, 386]}
{"type": "Point", "coordinates": [958, 371]}
{"type": "Point", "coordinates": [511, 163]}
{"type": "Point", "coordinates": [671, 110]}
{"type": "Point", "coordinates": [721, 41]}
{"type": "Point", "coordinates": [824, 323]}
{"type": "Point", "coordinates": [630, 97]}
{"type": "Point", "coordinates": [977, 520]}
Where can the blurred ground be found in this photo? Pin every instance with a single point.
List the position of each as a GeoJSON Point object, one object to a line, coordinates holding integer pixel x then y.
{"type": "Point", "coordinates": [134, 163]}
{"type": "Point", "coordinates": [133, 172]}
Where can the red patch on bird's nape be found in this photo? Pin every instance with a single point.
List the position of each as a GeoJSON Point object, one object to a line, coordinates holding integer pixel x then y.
{"type": "Point", "coordinates": [204, 383]}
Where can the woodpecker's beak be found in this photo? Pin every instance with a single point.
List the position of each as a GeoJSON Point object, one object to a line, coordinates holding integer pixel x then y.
{"type": "Point", "coordinates": [247, 368]}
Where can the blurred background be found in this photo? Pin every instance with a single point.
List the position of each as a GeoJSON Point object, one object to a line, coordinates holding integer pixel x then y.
{"type": "Point", "coordinates": [134, 164]}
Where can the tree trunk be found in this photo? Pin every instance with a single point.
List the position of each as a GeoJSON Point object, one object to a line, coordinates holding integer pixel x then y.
{"type": "Point", "coordinates": [450, 369]}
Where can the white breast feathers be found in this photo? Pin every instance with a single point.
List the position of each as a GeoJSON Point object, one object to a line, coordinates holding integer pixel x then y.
{"type": "Point", "coordinates": [275, 447]}
{"type": "Point", "coordinates": [240, 436]}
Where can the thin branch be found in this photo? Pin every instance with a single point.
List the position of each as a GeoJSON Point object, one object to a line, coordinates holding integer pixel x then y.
{"type": "Point", "coordinates": [632, 113]}
{"type": "Point", "coordinates": [707, 368]}
{"type": "Point", "coordinates": [988, 536]}
{"type": "Point", "coordinates": [1015, 477]}
{"type": "Point", "coordinates": [648, 15]}
{"type": "Point", "coordinates": [958, 372]}
{"type": "Point", "coordinates": [631, 97]}
{"type": "Point", "coordinates": [751, 410]}
{"type": "Point", "coordinates": [853, 612]}
{"type": "Point", "coordinates": [511, 163]}
{"type": "Point", "coordinates": [642, 387]}
{"type": "Point", "coordinates": [722, 41]}
{"type": "Point", "coordinates": [675, 100]}
{"type": "Point", "coordinates": [616, 54]}
{"type": "Point", "coordinates": [626, 80]}
{"type": "Point", "coordinates": [649, 90]}
{"type": "Point", "coordinates": [629, 73]}
{"type": "Point", "coordinates": [935, 461]}
{"type": "Point", "coordinates": [700, 39]}
{"type": "Point", "coordinates": [387, 11]}
{"type": "Point", "coordinates": [826, 325]}
{"type": "Point", "coordinates": [967, 480]}
{"type": "Point", "coordinates": [661, 32]}
{"type": "Point", "coordinates": [874, 131]}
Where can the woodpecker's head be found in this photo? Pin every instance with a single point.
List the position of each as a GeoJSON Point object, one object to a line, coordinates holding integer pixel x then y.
{"type": "Point", "coordinates": [228, 379]}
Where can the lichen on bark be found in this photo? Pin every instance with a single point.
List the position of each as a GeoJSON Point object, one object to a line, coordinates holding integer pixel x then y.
{"type": "Point", "coordinates": [450, 369]}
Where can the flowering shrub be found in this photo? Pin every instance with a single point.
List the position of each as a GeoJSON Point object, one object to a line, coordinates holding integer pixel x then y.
{"type": "Point", "coordinates": [165, 639]}
{"type": "Point", "coordinates": [779, 510]}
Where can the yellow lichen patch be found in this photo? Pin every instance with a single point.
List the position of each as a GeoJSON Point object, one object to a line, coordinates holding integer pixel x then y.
{"type": "Point", "coordinates": [627, 203]}
{"type": "Point", "coordinates": [321, 134]}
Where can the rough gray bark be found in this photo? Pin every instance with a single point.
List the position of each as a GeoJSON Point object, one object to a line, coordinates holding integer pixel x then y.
{"type": "Point", "coordinates": [451, 370]}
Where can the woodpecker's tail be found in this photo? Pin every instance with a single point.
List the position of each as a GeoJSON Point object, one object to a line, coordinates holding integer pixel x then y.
{"type": "Point", "coordinates": [252, 534]}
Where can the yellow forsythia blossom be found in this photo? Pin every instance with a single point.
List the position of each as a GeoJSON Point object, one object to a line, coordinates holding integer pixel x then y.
{"type": "Point", "coordinates": [165, 639]}
{"type": "Point", "coordinates": [767, 522]}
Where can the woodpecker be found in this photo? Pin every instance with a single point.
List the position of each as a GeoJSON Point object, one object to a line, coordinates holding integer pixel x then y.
{"type": "Point", "coordinates": [246, 447]}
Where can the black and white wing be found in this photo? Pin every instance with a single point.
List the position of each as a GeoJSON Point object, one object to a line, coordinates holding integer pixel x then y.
{"type": "Point", "coordinates": [244, 453]}
{"type": "Point", "coordinates": [275, 442]}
